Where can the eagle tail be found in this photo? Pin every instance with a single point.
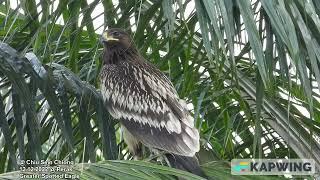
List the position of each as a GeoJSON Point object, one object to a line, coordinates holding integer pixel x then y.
{"type": "Point", "coordinates": [186, 163]}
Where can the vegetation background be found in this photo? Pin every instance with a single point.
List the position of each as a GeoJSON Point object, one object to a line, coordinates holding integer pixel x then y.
{"type": "Point", "coordinates": [249, 70]}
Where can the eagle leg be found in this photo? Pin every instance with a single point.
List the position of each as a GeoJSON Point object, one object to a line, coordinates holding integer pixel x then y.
{"type": "Point", "coordinates": [134, 145]}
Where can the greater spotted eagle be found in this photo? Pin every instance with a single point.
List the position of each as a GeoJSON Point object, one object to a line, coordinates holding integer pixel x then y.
{"type": "Point", "coordinates": [146, 103]}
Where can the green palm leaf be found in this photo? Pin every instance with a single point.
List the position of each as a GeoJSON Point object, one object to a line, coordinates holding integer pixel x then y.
{"type": "Point", "coordinates": [249, 71]}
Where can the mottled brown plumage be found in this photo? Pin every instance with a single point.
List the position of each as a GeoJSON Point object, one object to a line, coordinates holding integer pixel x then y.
{"type": "Point", "coordinates": [144, 100]}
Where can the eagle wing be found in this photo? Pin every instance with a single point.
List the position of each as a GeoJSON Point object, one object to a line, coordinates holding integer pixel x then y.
{"type": "Point", "coordinates": [146, 103]}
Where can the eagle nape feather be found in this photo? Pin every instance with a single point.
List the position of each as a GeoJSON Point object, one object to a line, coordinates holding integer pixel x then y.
{"type": "Point", "coordinates": [146, 103]}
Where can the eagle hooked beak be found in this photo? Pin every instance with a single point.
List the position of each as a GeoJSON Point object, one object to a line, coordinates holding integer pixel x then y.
{"type": "Point", "coordinates": [106, 38]}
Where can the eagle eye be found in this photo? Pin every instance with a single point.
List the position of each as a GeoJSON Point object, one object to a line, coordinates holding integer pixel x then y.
{"type": "Point", "coordinates": [116, 34]}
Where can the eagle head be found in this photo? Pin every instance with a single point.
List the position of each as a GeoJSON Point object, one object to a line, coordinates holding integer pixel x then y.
{"type": "Point", "coordinates": [118, 46]}
{"type": "Point", "coordinates": [116, 38]}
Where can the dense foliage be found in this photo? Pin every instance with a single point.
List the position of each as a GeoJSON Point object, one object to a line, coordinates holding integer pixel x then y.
{"type": "Point", "coordinates": [248, 69]}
